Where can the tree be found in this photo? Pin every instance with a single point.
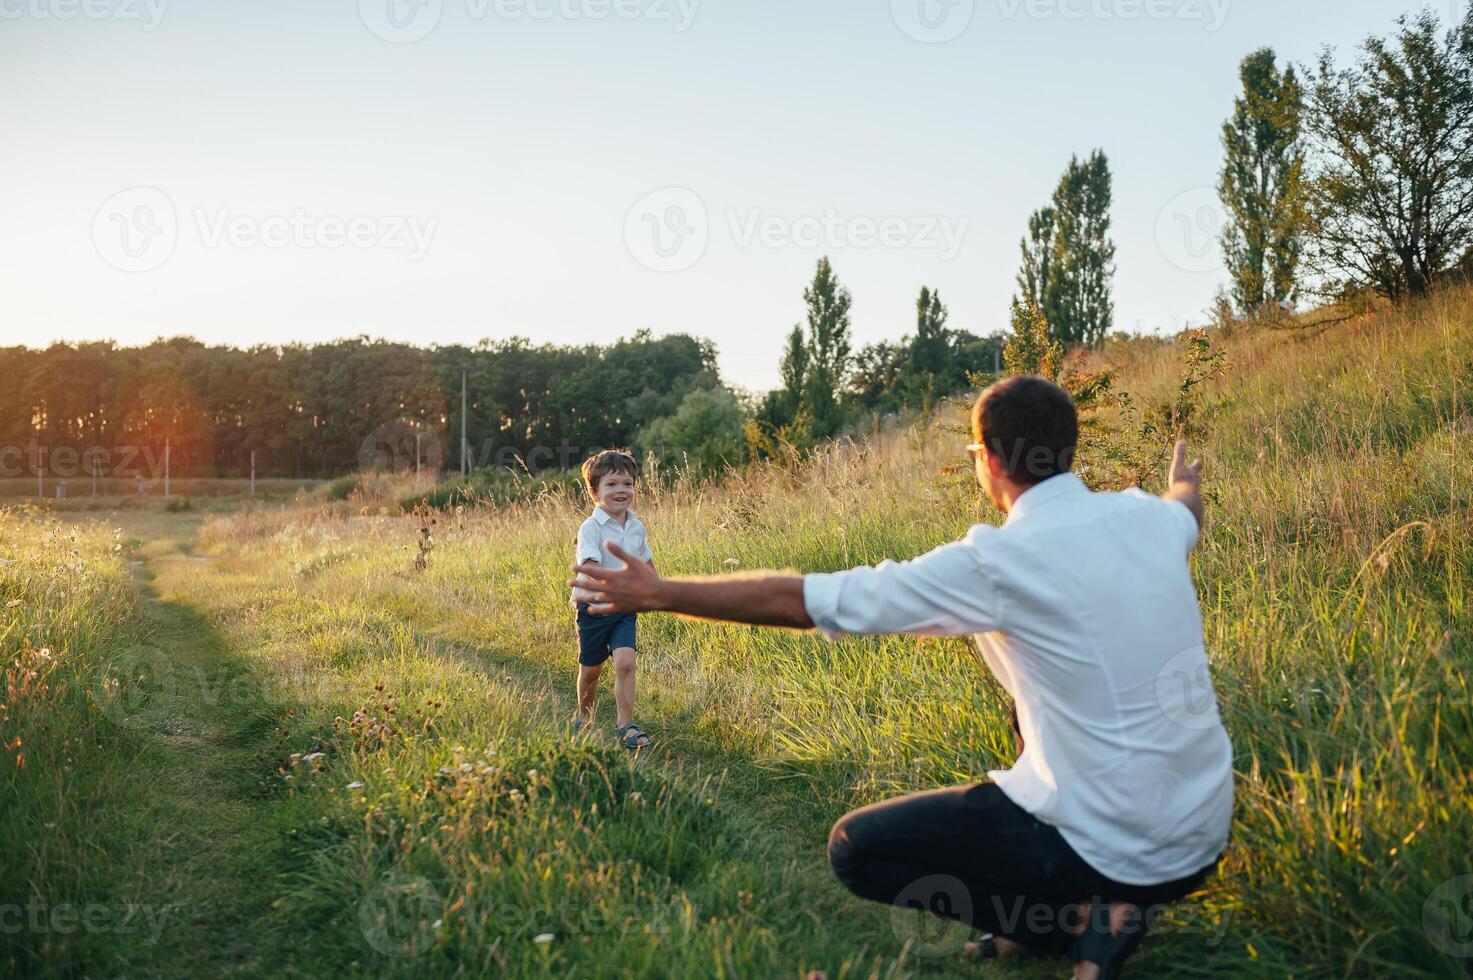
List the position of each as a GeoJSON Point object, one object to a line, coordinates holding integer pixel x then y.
{"type": "Point", "coordinates": [1083, 260]}
{"type": "Point", "coordinates": [1068, 257]}
{"type": "Point", "coordinates": [706, 432]}
{"type": "Point", "coordinates": [879, 371]}
{"type": "Point", "coordinates": [1391, 191]}
{"type": "Point", "coordinates": [1032, 348]}
{"type": "Point", "coordinates": [1261, 184]}
{"type": "Point", "coordinates": [1038, 253]}
{"type": "Point", "coordinates": [929, 351]}
{"type": "Point", "coordinates": [828, 348]}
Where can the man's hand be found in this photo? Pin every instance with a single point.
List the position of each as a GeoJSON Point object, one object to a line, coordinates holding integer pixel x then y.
{"type": "Point", "coordinates": [1184, 481]}
{"type": "Point", "coordinates": [633, 588]}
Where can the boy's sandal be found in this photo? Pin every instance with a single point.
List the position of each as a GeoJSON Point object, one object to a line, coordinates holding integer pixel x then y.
{"type": "Point", "coordinates": [631, 736]}
{"type": "Point", "coordinates": [576, 725]}
{"type": "Point", "coordinates": [984, 947]}
{"type": "Point", "coordinates": [1099, 946]}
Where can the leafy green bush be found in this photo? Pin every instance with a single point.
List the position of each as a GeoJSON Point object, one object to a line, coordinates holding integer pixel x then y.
{"type": "Point", "coordinates": [706, 434]}
{"type": "Point", "coordinates": [342, 487]}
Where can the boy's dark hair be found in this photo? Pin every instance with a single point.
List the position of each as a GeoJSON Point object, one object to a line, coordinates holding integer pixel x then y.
{"type": "Point", "coordinates": [600, 465]}
{"type": "Point", "coordinates": [1030, 425]}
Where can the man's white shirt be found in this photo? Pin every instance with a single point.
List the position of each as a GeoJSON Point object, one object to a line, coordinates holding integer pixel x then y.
{"type": "Point", "coordinates": [601, 528]}
{"type": "Point", "coordinates": [1083, 606]}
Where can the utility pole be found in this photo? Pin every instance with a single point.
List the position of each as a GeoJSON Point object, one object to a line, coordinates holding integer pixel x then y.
{"type": "Point", "coordinates": [166, 468]}
{"type": "Point", "coordinates": [464, 439]}
{"type": "Point", "coordinates": [416, 457]}
{"type": "Point", "coordinates": [253, 472]}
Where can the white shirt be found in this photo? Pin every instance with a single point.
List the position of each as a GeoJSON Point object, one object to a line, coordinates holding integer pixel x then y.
{"type": "Point", "coordinates": [1084, 609]}
{"type": "Point", "coordinates": [601, 528]}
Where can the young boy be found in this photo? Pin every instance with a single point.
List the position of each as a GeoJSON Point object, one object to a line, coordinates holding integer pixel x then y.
{"type": "Point", "coordinates": [609, 476]}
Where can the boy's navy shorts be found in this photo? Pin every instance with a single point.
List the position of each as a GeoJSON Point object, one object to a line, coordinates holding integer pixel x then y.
{"type": "Point", "coordinates": [600, 636]}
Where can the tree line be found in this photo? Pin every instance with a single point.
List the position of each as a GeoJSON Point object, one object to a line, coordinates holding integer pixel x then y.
{"type": "Point", "coordinates": [327, 409]}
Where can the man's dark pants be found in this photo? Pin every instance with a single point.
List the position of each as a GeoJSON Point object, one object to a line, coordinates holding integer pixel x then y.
{"type": "Point", "coordinates": [970, 853]}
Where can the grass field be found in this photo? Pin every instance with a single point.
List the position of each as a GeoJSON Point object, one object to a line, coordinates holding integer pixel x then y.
{"type": "Point", "coordinates": [266, 745]}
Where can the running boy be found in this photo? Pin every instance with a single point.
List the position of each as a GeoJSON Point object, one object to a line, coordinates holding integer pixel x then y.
{"type": "Point", "coordinates": [609, 476]}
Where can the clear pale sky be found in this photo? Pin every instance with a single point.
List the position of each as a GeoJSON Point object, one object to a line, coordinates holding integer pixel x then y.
{"type": "Point", "coordinates": [286, 149]}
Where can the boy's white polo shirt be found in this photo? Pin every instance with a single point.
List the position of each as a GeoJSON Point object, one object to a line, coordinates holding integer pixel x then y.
{"type": "Point", "coordinates": [600, 529]}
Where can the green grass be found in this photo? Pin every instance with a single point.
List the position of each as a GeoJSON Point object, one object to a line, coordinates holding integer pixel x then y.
{"type": "Point", "coordinates": [1333, 576]}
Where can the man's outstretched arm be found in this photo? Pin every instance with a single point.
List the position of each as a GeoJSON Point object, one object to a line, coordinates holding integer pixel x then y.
{"type": "Point", "coordinates": [760, 600]}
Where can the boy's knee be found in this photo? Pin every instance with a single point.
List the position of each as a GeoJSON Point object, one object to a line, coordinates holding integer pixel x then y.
{"type": "Point", "coordinates": [624, 661]}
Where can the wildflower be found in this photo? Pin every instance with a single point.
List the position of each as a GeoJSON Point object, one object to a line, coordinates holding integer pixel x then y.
{"type": "Point", "coordinates": [636, 798]}
{"type": "Point", "coordinates": [732, 561]}
{"type": "Point", "coordinates": [312, 758]}
{"type": "Point", "coordinates": [542, 938]}
{"type": "Point", "coordinates": [355, 787]}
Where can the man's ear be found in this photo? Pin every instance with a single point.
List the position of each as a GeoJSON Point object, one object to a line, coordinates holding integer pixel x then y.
{"type": "Point", "coordinates": [994, 465]}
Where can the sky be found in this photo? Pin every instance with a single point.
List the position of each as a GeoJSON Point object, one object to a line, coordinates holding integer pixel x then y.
{"type": "Point", "coordinates": [443, 171]}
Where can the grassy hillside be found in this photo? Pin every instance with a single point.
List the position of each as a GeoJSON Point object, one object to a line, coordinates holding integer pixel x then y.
{"type": "Point", "coordinates": [449, 825]}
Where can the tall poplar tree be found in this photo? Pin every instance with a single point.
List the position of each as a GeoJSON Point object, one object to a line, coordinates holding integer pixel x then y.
{"type": "Point", "coordinates": [1068, 257]}
{"type": "Point", "coordinates": [828, 348]}
{"type": "Point", "coordinates": [1261, 184]}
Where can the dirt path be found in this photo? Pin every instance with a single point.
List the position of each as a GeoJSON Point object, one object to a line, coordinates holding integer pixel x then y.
{"type": "Point", "coordinates": [201, 857]}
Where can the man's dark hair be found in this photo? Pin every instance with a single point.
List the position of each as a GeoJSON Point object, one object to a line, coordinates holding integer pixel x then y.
{"type": "Point", "coordinates": [1030, 425]}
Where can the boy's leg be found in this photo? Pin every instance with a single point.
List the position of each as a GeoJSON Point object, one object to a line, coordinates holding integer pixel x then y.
{"type": "Point", "coordinates": [587, 688]}
{"type": "Point", "coordinates": [622, 639]}
{"type": "Point", "coordinates": [624, 684]}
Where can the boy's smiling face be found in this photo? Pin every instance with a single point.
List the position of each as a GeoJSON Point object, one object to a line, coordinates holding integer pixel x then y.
{"type": "Point", "coordinates": [615, 493]}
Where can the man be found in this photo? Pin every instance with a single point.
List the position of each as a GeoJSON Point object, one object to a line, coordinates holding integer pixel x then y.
{"type": "Point", "coordinates": [1084, 608]}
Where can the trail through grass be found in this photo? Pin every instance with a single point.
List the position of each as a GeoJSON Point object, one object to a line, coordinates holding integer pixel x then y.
{"type": "Point", "coordinates": [138, 815]}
